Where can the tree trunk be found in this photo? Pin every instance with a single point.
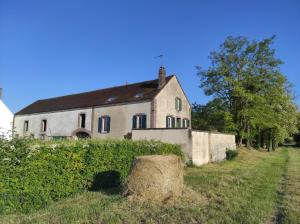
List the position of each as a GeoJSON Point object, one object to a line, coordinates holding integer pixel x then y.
{"type": "Point", "coordinates": [262, 139]}
{"type": "Point", "coordinates": [240, 141]}
{"type": "Point", "coordinates": [270, 139]}
{"type": "Point", "coordinates": [258, 143]}
{"type": "Point", "coordinates": [248, 137]}
{"type": "Point", "coordinates": [274, 144]}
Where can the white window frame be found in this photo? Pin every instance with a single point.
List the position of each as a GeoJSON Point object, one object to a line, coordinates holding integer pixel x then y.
{"type": "Point", "coordinates": [26, 126]}
{"type": "Point", "coordinates": [170, 119]}
{"type": "Point", "coordinates": [169, 122]}
{"type": "Point", "coordinates": [44, 125]}
{"type": "Point", "coordinates": [80, 120]}
{"type": "Point", "coordinates": [104, 120]}
{"type": "Point", "coordinates": [185, 123]}
{"type": "Point", "coordinates": [138, 118]}
{"type": "Point", "coordinates": [178, 104]}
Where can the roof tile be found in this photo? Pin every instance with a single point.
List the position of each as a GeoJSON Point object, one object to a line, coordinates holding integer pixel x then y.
{"type": "Point", "coordinates": [121, 94]}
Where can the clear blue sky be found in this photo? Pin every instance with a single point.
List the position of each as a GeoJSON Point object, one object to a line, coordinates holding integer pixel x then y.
{"type": "Point", "coordinates": [55, 47]}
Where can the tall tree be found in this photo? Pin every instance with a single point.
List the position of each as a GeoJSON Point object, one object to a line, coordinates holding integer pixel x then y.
{"type": "Point", "coordinates": [213, 117]}
{"type": "Point", "coordinates": [245, 76]}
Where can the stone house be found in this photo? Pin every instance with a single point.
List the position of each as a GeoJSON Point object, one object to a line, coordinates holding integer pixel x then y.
{"type": "Point", "coordinates": [151, 110]}
{"type": "Point", "coordinates": [108, 113]}
{"type": "Point", "coordinates": [6, 119]}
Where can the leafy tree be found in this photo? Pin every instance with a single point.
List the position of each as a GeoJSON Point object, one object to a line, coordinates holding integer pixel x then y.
{"type": "Point", "coordinates": [245, 78]}
{"type": "Point", "coordinates": [212, 117]}
{"type": "Point", "coordinates": [297, 135]}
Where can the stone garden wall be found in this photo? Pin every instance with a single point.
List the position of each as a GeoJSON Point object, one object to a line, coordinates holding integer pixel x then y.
{"type": "Point", "coordinates": [198, 146]}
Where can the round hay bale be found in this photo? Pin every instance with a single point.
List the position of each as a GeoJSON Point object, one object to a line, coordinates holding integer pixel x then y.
{"type": "Point", "coordinates": [155, 177]}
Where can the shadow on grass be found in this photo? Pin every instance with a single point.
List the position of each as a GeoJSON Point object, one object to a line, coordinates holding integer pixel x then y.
{"type": "Point", "coordinates": [107, 182]}
{"type": "Point", "coordinates": [296, 146]}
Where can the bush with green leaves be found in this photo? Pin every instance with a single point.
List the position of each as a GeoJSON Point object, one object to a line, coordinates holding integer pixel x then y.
{"type": "Point", "coordinates": [36, 173]}
{"type": "Point", "coordinates": [231, 154]}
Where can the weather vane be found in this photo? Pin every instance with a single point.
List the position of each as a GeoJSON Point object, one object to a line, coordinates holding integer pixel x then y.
{"type": "Point", "coordinates": [161, 56]}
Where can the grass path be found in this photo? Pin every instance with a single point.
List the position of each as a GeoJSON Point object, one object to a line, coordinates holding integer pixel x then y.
{"type": "Point", "coordinates": [241, 191]}
{"type": "Point", "coordinates": [289, 196]}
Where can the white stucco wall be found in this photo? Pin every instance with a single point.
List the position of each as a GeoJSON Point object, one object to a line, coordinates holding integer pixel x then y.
{"type": "Point", "coordinates": [61, 123]}
{"type": "Point", "coordinates": [219, 144]}
{"type": "Point", "coordinates": [6, 119]}
{"type": "Point", "coordinates": [165, 103]}
{"type": "Point", "coordinates": [199, 146]}
{"type": "Point", "coordinates": [174, 136]}
{"type": "Point", "coordinates": [121, 118]}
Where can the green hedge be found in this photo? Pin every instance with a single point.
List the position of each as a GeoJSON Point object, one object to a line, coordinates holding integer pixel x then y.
{"type": "Point", "coordinates": [35, 173]}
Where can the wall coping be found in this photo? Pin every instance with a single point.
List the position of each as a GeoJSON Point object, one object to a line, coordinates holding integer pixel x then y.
{"type": "Point", "coordinates": [191, 130]}
{"type": "Point", "coordinates": [146, 129]}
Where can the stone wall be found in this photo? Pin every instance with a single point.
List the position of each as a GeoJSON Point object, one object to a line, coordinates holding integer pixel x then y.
{"type": "Point", "coordinates": [121, 119]}
{"type": "Point", "coordinates": [198, 146]}
{"type": "Point", "coordinates": [61, 123]}
{"type": "Point", "coordinates": [165, 103]}
{"type": "Point", "coordinates": [65, 123]}
{"type": "Point", "coordinates": [174, 136]}
{"type": "Point", "coordinates": [219, 143]}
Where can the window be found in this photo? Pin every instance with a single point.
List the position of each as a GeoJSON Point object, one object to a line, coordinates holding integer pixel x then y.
{"type": "Point", "coordinates": [82, 120]}
{"type": "Point", "coordinates": [110, 99]}
{"type": "Point", "coordinates": [26, 124]}
{"type": "Point", "coordinates": [178, 122]}
{"type": "Point", "coordinates": [104, 124]}
{"type": "Point", "coordinates": [170, 122]}
{"type": "Point", "coordinates": [44, 125]}
{"type": "Point", "coordinates": [185, 123]}
{"type": "Point", "coordinates": [139, 121]}
{"type": "Point", "coordinates": [139, 95]}
{"type": "Point", "coordinates": [178, 104]}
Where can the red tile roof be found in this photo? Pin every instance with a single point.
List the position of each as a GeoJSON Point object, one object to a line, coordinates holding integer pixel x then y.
{"type": "Point", "coordinates": [136, 92]}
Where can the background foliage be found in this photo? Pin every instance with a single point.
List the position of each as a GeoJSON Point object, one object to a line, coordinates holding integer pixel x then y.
{"type": "Point", "coordinates": [35, 173]}
{"type": "Point", "coordinates": [251, 97]}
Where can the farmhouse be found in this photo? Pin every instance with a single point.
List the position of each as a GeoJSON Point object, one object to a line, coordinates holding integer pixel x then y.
{"type": "Point", "coordinates": [108, 113]}
{"type": "Point", "coordinates": [152, 110]}
{"type": "Point", "coordinates": [6, 119]}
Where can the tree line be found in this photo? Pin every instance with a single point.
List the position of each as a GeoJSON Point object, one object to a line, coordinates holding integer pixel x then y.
{"type": "Point", "coordinates": [251, 98]}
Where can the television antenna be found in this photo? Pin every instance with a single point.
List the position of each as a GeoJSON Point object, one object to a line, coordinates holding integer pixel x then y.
{"type": "Point", "coordinates": [160, 57]}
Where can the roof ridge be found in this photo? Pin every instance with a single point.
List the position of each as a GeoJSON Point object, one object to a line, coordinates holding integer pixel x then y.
{"type": "Point", "coordinates": [74, 94]}
{"type": "Point", "coordinates": [96, 97]}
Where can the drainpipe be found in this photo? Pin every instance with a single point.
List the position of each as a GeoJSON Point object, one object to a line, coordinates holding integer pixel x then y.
{"type": "Point", "coordinates": [92, 122]}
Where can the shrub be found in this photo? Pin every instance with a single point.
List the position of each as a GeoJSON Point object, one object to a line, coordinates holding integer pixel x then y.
{"type": "Point", "coordinates": [190, 164]}
{"type": "Point", "coordinates": [231, 154]}
{"type": "Point", "coordinates": [35, 173]}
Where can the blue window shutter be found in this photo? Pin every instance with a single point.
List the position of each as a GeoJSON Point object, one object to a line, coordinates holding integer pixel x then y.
{"type": "Point", "coordinates": [99, 124]}
{"type": "Point", "coordinates": [173, 122]}
{"type": "Point", "coordinates": [134, 122]}
{"type": "Point", "coordinates": [140, 121]}
{"type": "Point", "coordinates": [108, 124]}
{"type": "Point", "coordinates": [144, 121]}
{"type": "Point", "coordinates": [167, 119]}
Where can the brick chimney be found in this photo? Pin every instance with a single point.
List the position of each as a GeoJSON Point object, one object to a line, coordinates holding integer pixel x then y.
{"type": "Point", "coordinates": [161, 77]}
